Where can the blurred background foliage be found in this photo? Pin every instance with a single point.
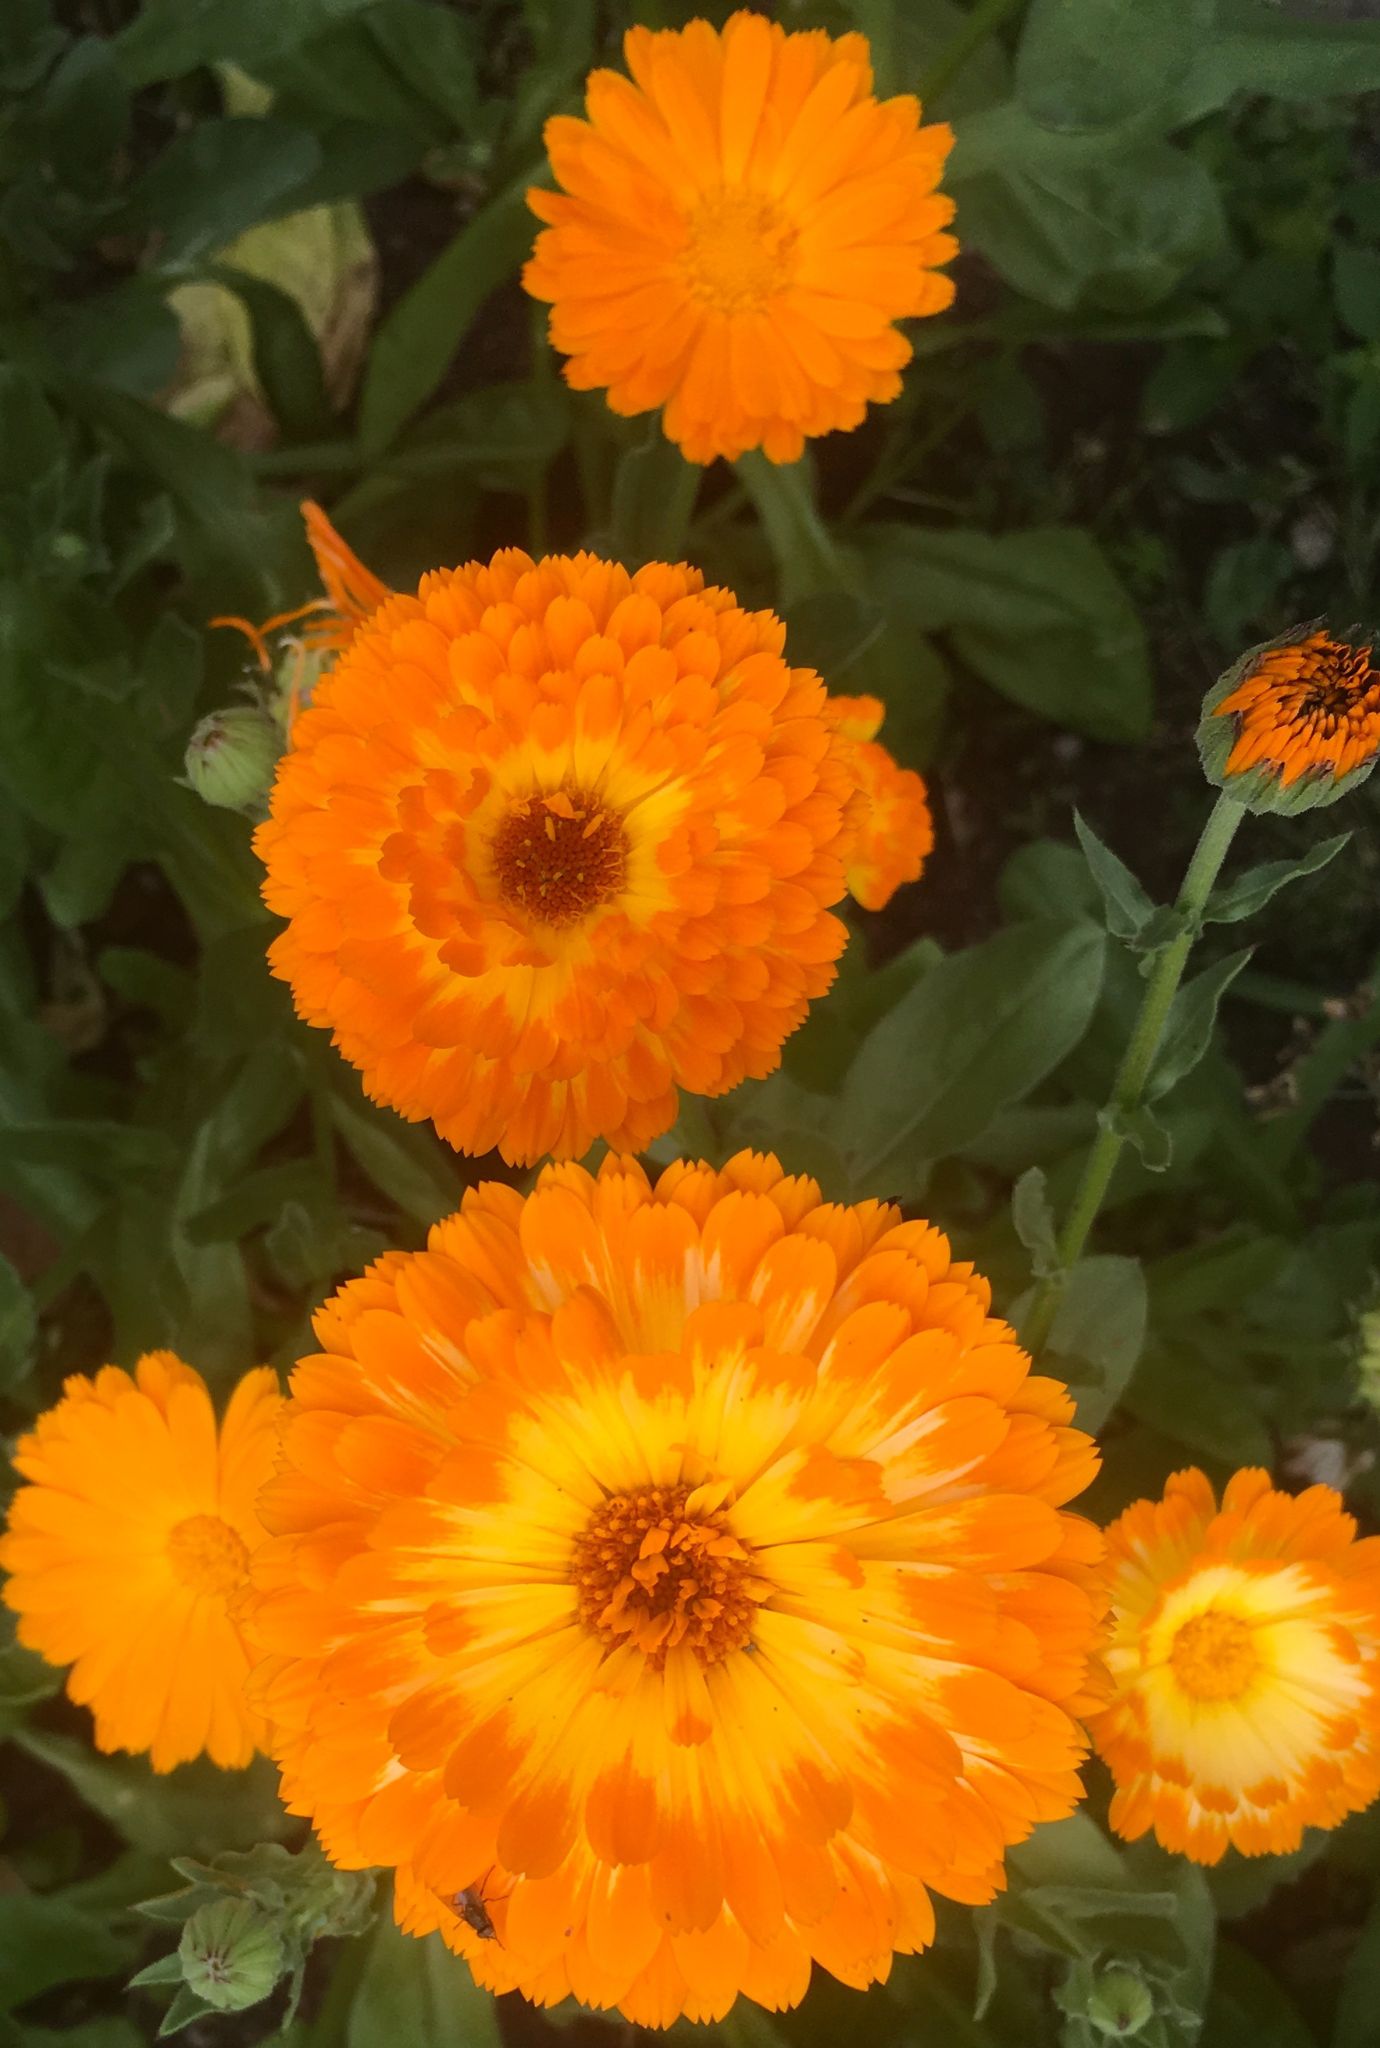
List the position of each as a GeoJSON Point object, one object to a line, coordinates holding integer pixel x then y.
{"type": "Point", "coordinates": [257, 249]}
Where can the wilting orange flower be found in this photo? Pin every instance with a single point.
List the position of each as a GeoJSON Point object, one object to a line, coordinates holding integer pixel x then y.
{"type": "Point", "coordinates": [556, 841]}
{"type": "Point", "coordinates": [325, 625]}
{"type": "Point", "coordinates": [1309, 709]}
{"type": "Point", "coordinates": [895, 832]}
{"type": "Point", "coordinates": [741, 226]}
{"type": "Point", "coordinates": [128, 1553]}
{"type": "Point", "coordinates": [1245, 1657]}
{"type": "Point", "coordinates": [674, 1580]}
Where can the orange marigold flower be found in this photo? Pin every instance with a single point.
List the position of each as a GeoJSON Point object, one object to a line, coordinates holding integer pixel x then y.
{"type": "Point", "coordinates": [673, 1584]}
{"type": "Point", "coordinates": [128, 1553]}
{"type": "Point", "coordinates": [742, 224]}
{"type": "Point", "coordinates": [894, 832]}
{"type": "Point", "coordinates": [556, 841]}
{"type": "Point", "coordinates": [1311, 708]}
{"type": "Point", "coordinates": [1245, 1662]}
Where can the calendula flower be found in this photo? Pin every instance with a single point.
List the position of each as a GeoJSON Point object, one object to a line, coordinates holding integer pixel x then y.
{"type": "Point", "coordinates": [674, 1586]}
{"type": "Point", "coordinates": [1245, 1661]}
{"type": "Point", "coordinates": [555, 841]}
{"type": "Point", "coordinates": [1295, 723]}
{"type": "Point", "coordinates": [128, 1553]}
{"type": "Point", "coordinates": [740, 228]}
{"type": "Point", "coordinates": [895, 832]}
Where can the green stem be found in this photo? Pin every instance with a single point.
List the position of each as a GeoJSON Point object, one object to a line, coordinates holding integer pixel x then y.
{"type": "Point", "coordinates": [1137, 1063]}
{"type": "Point", "coordinates": [984, 21]}
{"type": "Point", "coordinates": [808, 558]}
{"type": "Point", "coordinates": [330, 2026]}
{"type": "Point", "coordinates": [678, 510]}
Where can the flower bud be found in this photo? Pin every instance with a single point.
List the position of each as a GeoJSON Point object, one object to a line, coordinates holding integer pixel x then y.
{"type": "Point", "coordinates": [1294, 724]}
{"type": "Point", "coordinates": [231, 1954]}
{"type": "Point", "coordinates": [231, 758]}
{"type": "Point", "coordinates": [1120, 2004]}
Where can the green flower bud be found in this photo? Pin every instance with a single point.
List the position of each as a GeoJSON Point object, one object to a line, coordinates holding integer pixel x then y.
{"type": "Point", "coordinates": [231, 758]}
{"type": "Point", "coordinates": [1120, 2004]}
{"type": "Point", "coordinates": [231, 1954]}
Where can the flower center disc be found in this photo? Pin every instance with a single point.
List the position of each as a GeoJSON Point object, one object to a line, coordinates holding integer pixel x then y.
{"type": "Point", "coordinates": [208, 1555]}
{"type": "Point", "coordinates": [559, 857]}
{"type": "Point", "coordinates": [1334, 681]}
{"type": "Point", "coordinates": [740, 250]}
{"type": "Point", "coordinates": [1214, 1656]}
{"type": "Point", "coordinates": [649, 1573]}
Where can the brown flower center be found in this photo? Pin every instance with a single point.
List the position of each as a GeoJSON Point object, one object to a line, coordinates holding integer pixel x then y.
{"type": "Point", "coordinates": [1214, 1656]}
{"type": "Point", "coordinates": [653, 1570]}
{"type": "Point", "coordinates": [741, 249]}
{"type": "Point", "coordinates": [559, 857]}
{"type": "Point", "coordinates": [208, 1555]}
{"type": "Point", "coordinates": [1334, 679]}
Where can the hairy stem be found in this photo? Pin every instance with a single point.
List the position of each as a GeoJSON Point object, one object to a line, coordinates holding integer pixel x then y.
{"type": "Point", "coordinates": [1128, 1090]}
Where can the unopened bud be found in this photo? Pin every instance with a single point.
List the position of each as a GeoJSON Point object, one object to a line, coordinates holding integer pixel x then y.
{"type": "Point", "coordinates": [1120, 2004]}
{"type": "Point", "coordinates": [231, 758]}
{"type": "Point", "coordinates": [1295, 723]}
{"type": "Point", "coordinates": [231, 1954]}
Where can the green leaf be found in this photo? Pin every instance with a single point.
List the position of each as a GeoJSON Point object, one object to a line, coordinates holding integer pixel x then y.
{"type": "Point", "coordinates": [170, 37]}
{"type": "Point", "coordinates": [1041, 615]}
{"type": "Point", "coordinates": [1100, 1325]}
{"type": "Point", "coordinates": [1354, 2024]}
{"type": "Point", "coordinates": [25, 1680]}
{"type": "Point", "coordinates": [1126, 903]}
{"type": "Point", "coordinates": [563, 50]}
{"type": "Point", "coordinates": [185, 2008]}
{"type": "Point", "coordinates": [1192, 1017]}
{"type": "Point", "coordinates": [1142, 1128]}
{"type": "Point", "coordinates": [978, 1031]}
{"type": "Point", "coordinates": [1093, 64]}
{"type": "Point", "coordinates": [167, 1970]}
{"type": "Point", "coordinates": [434, 50]}
{"type": "Point", "coordinates": [1356, 285]}
{"type": "Point", "coordinates": [503, 436]}
{"type": "Point", "coordinates": [1033, 1222]}
{"type": "Point", "coordinates": [215, 180]}
{"type": "Point", "coordinates": [30, 434]}
{"type": "Point", "coordinates": [210, 484]}
{"type": "Point", "coordinates": [406, 1163]}
{"type": "Point", "coordinates": [1250, 892]}
{"type": "Point", "coordinates": [417, 1991]}
{"type": "Point", "coordinates": [287, 360]}
{"type": "Point", "coordinates": [1249, 2007]}
{"type": "Point", "coordinates": [109, 2032]}
{"type": "Point", "coordinates": [45, 1941]}
{"type": "Point", "coordinates": [1258, 47]}
{"type": "Point", "coordinates": [84, 114]}
{"type": "Point", "coordinates": [1072, 223]}
{"type": "Point", "coordinates": [126, 339]}
{"type": "Point", "coordinates": [18, 1326]}
{"type": "Point", "coordinates": [196, 1808]}
{"type": "Point", "coordinates": [416, 342]}
{"type": "Point", "coordinates": [1200, 1404]}
{"type": "Point", "coordinates": [255, 1200]}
